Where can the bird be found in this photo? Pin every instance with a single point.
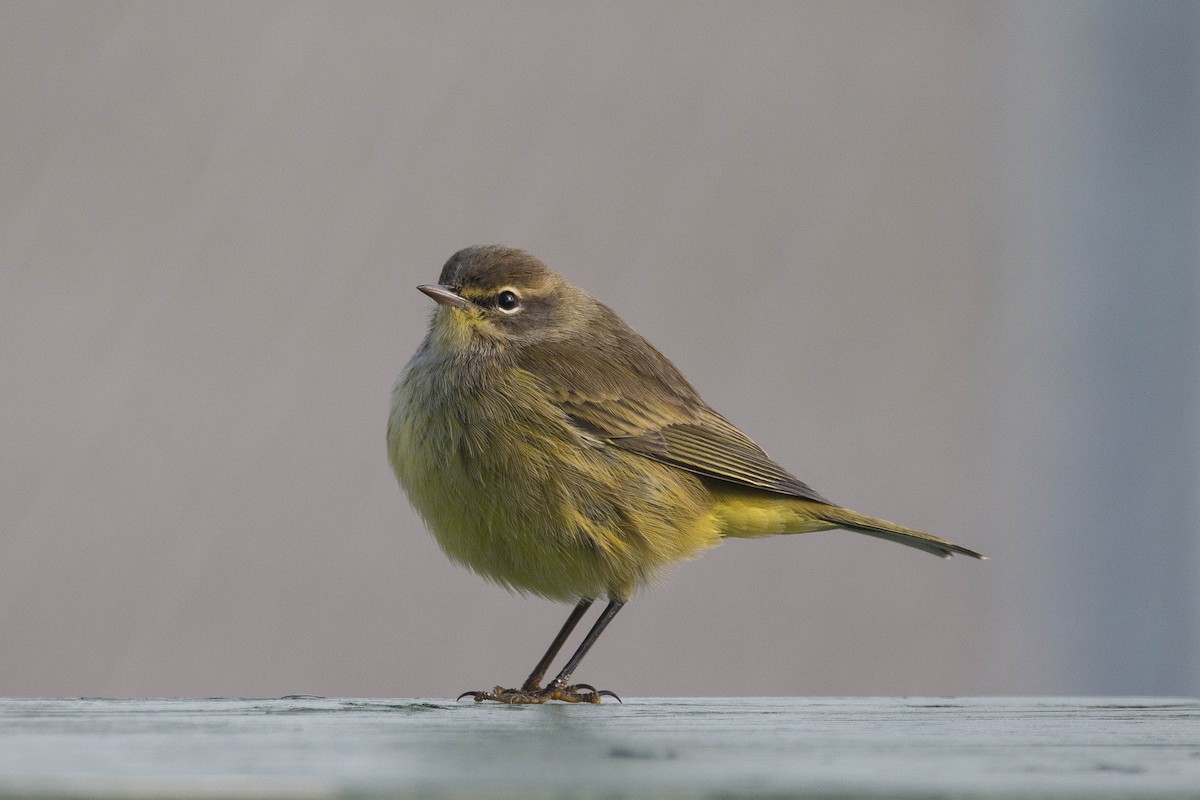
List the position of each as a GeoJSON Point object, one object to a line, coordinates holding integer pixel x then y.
{"type": "Point", "coordinates": [551, 449]}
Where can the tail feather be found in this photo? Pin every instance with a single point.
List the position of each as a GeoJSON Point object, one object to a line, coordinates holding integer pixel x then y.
{"type": "Point", "coordinates": [746, 513]}
{"type": "Point", "coordinates": [852, 520]}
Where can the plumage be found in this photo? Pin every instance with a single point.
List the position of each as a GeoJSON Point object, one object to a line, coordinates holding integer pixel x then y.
{"type": "Point", "coordinates": [552, 449]}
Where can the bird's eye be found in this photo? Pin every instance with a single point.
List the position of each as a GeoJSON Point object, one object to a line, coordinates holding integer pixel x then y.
{"type": "Point", "coordinates": [508, 300]}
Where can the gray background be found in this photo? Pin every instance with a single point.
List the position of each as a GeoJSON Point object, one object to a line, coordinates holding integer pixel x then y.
{"type": "Point", "coordinates": [940, 259]}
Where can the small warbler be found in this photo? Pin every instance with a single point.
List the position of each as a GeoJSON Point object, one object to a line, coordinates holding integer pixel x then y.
{"type": "Point", "coordinates": [553, 450]}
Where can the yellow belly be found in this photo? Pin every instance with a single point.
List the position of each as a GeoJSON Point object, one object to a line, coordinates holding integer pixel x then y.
{"type": "Point", "coordinates": [512, 490]}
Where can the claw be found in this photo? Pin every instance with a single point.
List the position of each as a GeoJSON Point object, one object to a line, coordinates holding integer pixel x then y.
{"type": "Point", "coordinates": [508, 696]}
{"type": "Point", "coordinates": [567, 695]}
{"type": "Point", "coordinates": [575, 693]}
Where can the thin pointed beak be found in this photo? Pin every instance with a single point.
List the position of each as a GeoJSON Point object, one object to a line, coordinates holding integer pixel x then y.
{"type": "Point", "coordinates": [444, 295]}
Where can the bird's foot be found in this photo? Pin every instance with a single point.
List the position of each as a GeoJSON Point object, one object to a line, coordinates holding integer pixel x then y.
{"type": "Point", "coordinates": [575, 693]}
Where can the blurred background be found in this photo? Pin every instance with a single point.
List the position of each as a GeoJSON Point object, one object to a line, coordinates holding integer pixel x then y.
{"type": "Point", "coordinates": [941, 259]}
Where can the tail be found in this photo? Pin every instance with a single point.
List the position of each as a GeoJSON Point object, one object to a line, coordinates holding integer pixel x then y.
{"type": "Point", "coordinates": [852, 520]}
{"type": "Point", "coordinates": [748, 513]}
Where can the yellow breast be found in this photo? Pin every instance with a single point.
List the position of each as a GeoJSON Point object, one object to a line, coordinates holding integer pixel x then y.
{"type": "Point", "coordinates": [510, 488]}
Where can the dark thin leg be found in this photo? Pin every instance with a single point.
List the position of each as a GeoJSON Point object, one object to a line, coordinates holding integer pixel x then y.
{"type": "Point", "coordinates": [534, 681]}
{"type": "Point", "coordinates": [610, 611]}
{"type": "Point", "coordinates": [558, 689]}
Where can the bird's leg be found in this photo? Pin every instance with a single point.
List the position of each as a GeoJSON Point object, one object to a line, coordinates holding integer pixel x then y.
{"type": "Point", "coordinates": [530, 691]}
{"type": "Point", "coordinates": [534, 681]}
{"type": "Point", "coordinates": [558, 689]}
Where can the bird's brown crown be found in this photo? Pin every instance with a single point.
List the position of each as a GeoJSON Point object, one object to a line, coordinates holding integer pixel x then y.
{"type": "Point", "coordinates": [483, 269]}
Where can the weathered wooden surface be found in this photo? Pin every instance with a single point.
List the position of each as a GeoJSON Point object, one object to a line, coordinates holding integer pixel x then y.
{"type": "Point", "coordinates": [683, 747]}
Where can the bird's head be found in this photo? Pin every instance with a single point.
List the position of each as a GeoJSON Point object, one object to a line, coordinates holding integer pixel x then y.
{"type": "Point", "coordinates": [491, 296]}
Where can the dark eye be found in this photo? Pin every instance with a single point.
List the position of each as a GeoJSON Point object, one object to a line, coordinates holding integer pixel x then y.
{"type": "Point", "coordinates": [507, 300]}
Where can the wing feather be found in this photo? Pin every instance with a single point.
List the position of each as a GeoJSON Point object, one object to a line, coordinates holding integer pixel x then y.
{"type": "Point", "coordinates": [625, 392]}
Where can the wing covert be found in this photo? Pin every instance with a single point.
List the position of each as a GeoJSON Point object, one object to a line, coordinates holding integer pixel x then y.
{"type": "Point", "coordinates": [622, 390]}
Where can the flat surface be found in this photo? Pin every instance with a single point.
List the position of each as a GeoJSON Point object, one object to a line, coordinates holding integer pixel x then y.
{"type": "Point", "coordinates": [677, 747]}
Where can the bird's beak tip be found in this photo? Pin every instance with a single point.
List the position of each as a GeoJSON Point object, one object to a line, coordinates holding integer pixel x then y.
{"type": "Point", "coordinates": [444, 295]}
